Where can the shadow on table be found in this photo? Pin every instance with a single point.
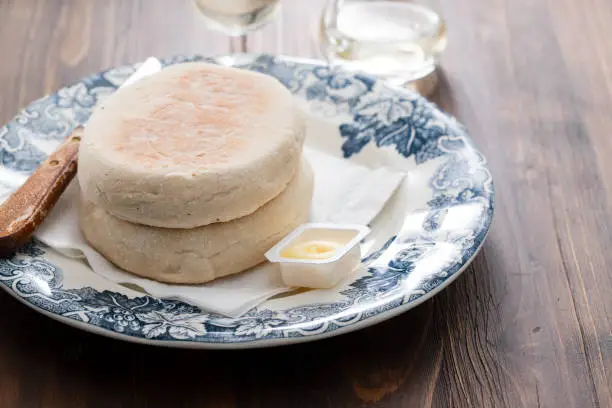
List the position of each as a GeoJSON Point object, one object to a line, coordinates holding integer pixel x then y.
{"type": "Point", "coordinates": [444, 96]}
{"type": "Point", "coordinates": [404, 358]}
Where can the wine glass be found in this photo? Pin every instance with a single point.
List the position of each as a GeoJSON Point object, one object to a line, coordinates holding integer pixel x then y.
{"type": "Point", "coordinates": [237, 17]}
{"type": "Point", "coordinates": [396, 40]}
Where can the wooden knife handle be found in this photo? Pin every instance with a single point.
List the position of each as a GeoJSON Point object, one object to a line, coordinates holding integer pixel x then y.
{"type": "Point", "coordinates": [26, 209]}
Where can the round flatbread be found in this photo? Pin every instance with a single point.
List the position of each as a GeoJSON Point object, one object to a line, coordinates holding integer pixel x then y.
{"type": "Point", "coordinates": [194, 144]}
{"type": "Point", "coordinates": [201, 254]}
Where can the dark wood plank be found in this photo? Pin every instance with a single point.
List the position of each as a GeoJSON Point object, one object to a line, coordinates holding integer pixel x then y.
{"type": "Point", "coordinates": [516, 86]}
{"type": "Point", "coordinates": [527, 325]}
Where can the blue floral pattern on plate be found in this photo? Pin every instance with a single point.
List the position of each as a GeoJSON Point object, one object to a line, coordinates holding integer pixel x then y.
{"type": "Point", "coordinates": [378, 116]}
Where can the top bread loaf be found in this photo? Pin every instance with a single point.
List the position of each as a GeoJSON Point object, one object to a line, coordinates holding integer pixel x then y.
{"type": "Point", "coordinates": [191, 145]}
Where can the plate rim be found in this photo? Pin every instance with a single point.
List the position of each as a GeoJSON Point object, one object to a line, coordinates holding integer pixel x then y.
{"type": "Point", "coordinates": [257, 343]}
{"type": "Point", "coordinates": [280, 341]}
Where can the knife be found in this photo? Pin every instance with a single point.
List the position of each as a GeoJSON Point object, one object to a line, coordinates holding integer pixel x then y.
{"type": "Point", "coordinates": [28, 206]}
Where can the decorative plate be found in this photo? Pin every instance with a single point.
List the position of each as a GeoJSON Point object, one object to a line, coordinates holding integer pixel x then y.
{"type": "Point", "coordinates": [425, 236]}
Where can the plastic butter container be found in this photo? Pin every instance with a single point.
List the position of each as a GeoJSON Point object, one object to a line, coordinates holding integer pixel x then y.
{"type": "Point", "coordinates": [318, 255]}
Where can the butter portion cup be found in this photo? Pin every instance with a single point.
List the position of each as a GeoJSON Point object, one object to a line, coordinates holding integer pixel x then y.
{"type": "Point", "coordinates": [318, 255]}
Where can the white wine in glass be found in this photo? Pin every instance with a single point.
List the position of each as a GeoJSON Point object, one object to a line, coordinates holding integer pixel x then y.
{"type": "Point", "coordinates": [237, 17]}
{"type": "Point", "coordinates": [398, 40]}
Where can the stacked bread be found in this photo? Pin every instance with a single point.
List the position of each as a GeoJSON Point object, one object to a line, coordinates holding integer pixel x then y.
{"type": "Point", "coordinates": [193, 173]}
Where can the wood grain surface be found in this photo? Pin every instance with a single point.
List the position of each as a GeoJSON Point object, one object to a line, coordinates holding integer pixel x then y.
{"type": "Point", "coordinates": [527, 325]}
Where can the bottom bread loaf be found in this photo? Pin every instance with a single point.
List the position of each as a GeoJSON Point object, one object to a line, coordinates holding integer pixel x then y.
{"type": "Point", "coordinates": [200, 254]}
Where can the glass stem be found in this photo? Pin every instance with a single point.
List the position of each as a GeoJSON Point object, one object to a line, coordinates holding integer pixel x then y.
{"type": "Point", "coordinates": [238, 44]}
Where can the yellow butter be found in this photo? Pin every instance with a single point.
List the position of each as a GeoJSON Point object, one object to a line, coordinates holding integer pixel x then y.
{"type": "Point", "coordinates": [314, 249]}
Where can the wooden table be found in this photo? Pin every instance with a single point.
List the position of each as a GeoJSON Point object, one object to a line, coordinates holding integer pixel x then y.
{"type": "Point", "coordinates": [528, 324]}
